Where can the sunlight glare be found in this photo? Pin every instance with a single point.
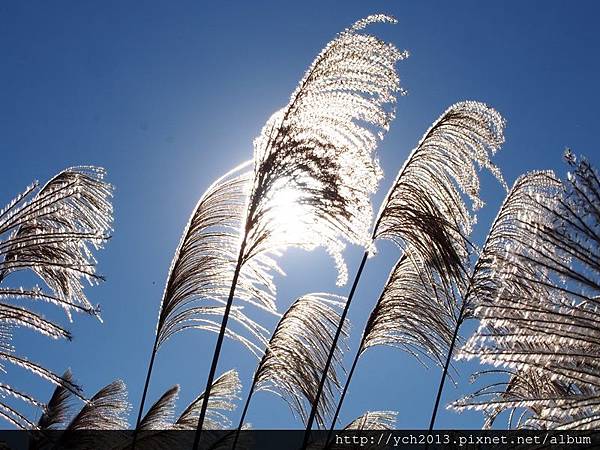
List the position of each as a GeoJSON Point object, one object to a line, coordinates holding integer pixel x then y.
{"type": "Point", "coordinates": [290, 214]}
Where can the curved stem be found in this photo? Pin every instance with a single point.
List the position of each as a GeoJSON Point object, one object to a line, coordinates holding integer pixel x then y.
{"type": "Point", "coordinates": [143, 401]}
{"type": "Point", "coordinates": [217, 353]}
{"type": "Point", "coordinates": [338, 332]}
{"type": "Point", "coordinates": [446, 366]}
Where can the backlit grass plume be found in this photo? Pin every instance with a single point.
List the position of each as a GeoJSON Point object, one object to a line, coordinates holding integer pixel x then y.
{"type": "Point", "coordinates": [203, 268]}
{"type": "Point", "coordinates": [52, 232]}
{"type": "Point", "coordinates": [225, 391]}
{"type": "Point", "coordinates": [63, 424]}
{"type": "Point", "coordinates": [499, 282]}
{"type": "Point", "coordinates": [543, 323]}
{"type": "Point", "coordinates": [398, 319]}
{"type": "Point", "coordinates": [425, 211]}
{"type": "Point", "coordinates": [415, 312]}
{"type": "Point", "coordinates": [106, 410]}
{"type": "Point", "coordinates": [368, 421]}
{"type": "Point", "coordinates": [317, 152]}
{"type": "Point", "coordinates": [161, 429]}
{"type": "Point", "coordinates": [374, 420]}
{"type": "Point", "coordinates": [204, 264]}
{"type": "Point", "coordinates": [295, 357]}
{"type": "Point", "coordinates": [11, 413]}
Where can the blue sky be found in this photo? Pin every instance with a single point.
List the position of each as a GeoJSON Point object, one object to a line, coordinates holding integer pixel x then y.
{"type": "Point", "coordinates": [167, 96]}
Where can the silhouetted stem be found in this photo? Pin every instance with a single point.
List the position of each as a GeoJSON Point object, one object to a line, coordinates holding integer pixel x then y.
{"type": "Point", "coordinates": [143, 401]}
{"type": "Point", "coordinates": [338, 332]}
{"type": "Point", "coordinates": [343, 396]}
{"type": "Point", "coordinates": [446, 366]}
{"type": "Point", "coordinates": [217, 353]}
{"type": "Point", "coordinates": [243, 417]}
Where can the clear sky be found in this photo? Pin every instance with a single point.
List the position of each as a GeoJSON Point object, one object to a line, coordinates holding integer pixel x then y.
{"type": "Point", "coordinates": [167, 96]}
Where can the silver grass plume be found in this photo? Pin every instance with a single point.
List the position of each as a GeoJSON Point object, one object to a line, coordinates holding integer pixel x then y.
{"type": "Point", "coordinates": [202, 270]}
{"type": "Point", "coordinates": [543, 324]}
{"type": "Point", "coordinates": [224, 393]}
{"type": "Point", "coordinates": [160, 416]}
{"type": "Point", "coordinates": [317, 152]}
{"type": "Point", "coordinates": [53, 230]}
{"type": "Point", "coordinates": [20, 317]}
{"type": "Point", "coordinates": [13, 417]}
{"type": "Point", "coordinates": [513, 391]}
{"type": "Point", "coordinates": [38, 370]}
{"type": "Point", "coordinates": [374, 420]}
{"type": "Point", "coordinates": [160, 429]}
{"type": "Point", "coordinates": [509, 248]}
{"type": "Point", "coordinates": [424, 209]}
{"type": "Point", "coordinates": [309, 156]}
{"type": "Point", "coordinates": [499, 284]}
{"type": "Point", "coordinates": [10, 414]}
{"type": "Point", "coordinates": [297, 355]}
{"type": "Point", "coordinates": [415, 312]}
{"type": "Point", "coordinates": [425, 214]}
{"type": "Point", "coordinates": [295, 358]}
{"type": "Point", "coordinates": [57, 410]}
{"type": "Point", "coordinates": [156, 425]}
{"type": "Point", "coordinates": [317, 155]}
{"type": "Point", "coordinates": [106, 410]}
{"type": "Point", "coordinates": [368, 421]}
{"type": "Point", "coordinates": [7, 355]}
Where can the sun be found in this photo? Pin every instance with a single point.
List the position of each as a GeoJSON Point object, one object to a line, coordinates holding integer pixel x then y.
{"type": "Point", "coordinates": [290, 215]}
